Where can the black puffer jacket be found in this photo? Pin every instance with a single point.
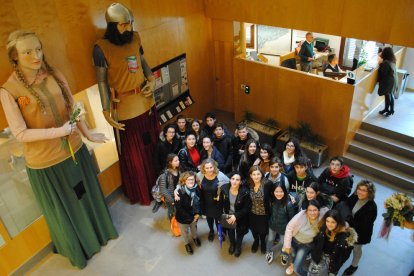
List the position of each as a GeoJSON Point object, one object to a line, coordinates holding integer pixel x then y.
{"type": "Point", "coordinates": [185, 212]}
{"type": "Point", "coordinates": [242, 206]}
{"type": "Point", "coordinates": [340, 249]}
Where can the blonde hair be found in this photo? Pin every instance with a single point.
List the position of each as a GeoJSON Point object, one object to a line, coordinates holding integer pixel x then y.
{"type": "Point", "coordinates": [209, 161]}
{"type": "Point", "coordinates": [14, 37]}
{"type": "Point", "coordinates": [185, 175]}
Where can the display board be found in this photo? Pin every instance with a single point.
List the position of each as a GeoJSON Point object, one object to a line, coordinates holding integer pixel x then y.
{"type": "Point", "coordinates": [172, 94]}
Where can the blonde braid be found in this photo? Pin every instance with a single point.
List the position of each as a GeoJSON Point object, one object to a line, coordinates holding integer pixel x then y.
{"type": "Point", "coordinates": [23, 80]}
{"type": "Point", "coordinates": [64, 90]}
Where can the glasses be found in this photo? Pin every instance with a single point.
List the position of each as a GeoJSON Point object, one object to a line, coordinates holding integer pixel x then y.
{"type": "Point", "coordinates": [290, 145]}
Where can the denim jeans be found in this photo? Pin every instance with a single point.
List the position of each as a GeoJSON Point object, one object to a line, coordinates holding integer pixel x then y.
{"type": "Point", "coordinates": [299, 254]}
{"type": "Point", "coordinates": [277, 249]}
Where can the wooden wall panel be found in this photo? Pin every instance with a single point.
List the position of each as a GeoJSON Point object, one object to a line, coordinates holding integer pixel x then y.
{"type": "Point", "coordinates": [377, 20]}
{"type": "Point", "coordinates": [289, 96]}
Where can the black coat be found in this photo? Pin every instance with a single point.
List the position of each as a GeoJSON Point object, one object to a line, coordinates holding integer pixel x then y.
{"type": "Point", "coordinates": [363, 220]}
{"type": "Point", "coordinates": [215, 155]}
{"type": "Point", "coordinates": [245, 165]}
{"type": "Point", "coordinates": [330, 185]}
{"type": "Point", "coordinates": [184, 211]}
{"type": "Point", "coordinates": [239, 144]}
{"type": "Point", "coordinates": [299, 186]}
{"type": "Point", "coordinates": [225, 147]}
{"type": "Point", "coordinates": [387, 78]}
{"type": "Point", "coordinates": [242, 206]}
{"type": "Point", "coordinates": [186, 162]}
{"type": "Point", "coordinates": [342, 247]}
{"type": "Point", "coordinates": [162, 149]}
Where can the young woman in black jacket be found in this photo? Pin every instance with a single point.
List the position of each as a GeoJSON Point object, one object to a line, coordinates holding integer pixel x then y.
{"type": "Point", "coordinates": [261, 191]}
{"type": "Point", "coordinates": [249, 157]}
{"type": "Point", "coordinates": [168, 142]}
{"type": "Point", "coordinates": [332, 246]}
{"type": "Point", "coordinates": [235, 202]}
{"type": "Point", "coordinates": [189, 155]}
{"type": "Point", "coordinates": [188, 209]}
{"type": "Point", "coordinates": [168, 182]}
{"type": "Point", "coordinates": [364, 212]}
{"type": "Point", "coordinates": [387, 80]}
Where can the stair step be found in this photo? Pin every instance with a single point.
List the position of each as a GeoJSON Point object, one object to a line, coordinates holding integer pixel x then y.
{"type": "Point", "coordinates": [385, 143]}
{"type": "Point", "coordinates": [395, 177]}
{"type": "Point", "coordinates": [381, 156]}
{"type": "Point", "coordinates": [387, 133]}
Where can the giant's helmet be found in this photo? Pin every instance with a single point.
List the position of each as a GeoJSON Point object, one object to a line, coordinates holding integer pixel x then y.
{"type": "Point", "coordinates": [118, 13]}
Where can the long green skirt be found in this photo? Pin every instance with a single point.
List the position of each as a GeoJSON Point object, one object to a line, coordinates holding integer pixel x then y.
{"type": "Point", "coordinates": [73, 205]}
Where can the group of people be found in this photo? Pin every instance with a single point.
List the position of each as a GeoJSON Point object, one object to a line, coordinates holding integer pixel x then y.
{"type": "Point", "coordinates": [239, 184]}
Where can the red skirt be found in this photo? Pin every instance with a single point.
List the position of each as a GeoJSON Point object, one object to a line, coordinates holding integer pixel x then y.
{"type": "Point", "coordinates": [138, 142]}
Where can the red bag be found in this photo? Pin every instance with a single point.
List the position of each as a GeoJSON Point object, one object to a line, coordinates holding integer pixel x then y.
{"type": "Point", "coordinates": [175, 228]}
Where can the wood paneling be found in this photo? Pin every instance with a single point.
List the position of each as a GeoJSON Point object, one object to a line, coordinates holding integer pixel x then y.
{"type": "Point", "coordinates": [289, 96]}
{"type": "Point", "coordinates": [377, 20]}
{"type": "Point", "coordinates": [69, 29]}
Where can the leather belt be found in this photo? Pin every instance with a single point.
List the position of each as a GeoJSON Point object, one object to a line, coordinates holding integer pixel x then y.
{"type": "Point", "coordinates": [134, 91]}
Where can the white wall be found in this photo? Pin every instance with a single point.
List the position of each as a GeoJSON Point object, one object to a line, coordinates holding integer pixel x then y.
{"type": "Point", "coordinates": [334, 41]}
{"type": "Point", "coordinates": [408, 64]}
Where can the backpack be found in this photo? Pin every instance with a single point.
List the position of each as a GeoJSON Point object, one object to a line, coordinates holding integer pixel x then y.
{"type": "Point", "coordinates": [156, 193]}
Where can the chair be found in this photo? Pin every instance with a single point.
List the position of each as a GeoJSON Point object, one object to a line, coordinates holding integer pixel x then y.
{"type": "Point", "coordinates": [289, 63]}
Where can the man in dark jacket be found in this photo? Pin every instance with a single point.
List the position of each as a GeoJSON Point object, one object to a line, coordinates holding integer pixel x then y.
{"type": "Point", "coordinates": [306, 53]}
{"type": "Point", "coordinates": [335, 180]}
{"type": "Point", "coordinates": [223, 143]}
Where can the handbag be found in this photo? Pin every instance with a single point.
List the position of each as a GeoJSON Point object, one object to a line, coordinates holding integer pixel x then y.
{"type": "Point", "coordinates": [225, 224]}
{"type": "Point", "coordinates": [320, 269]}
{"type": "Point", "coordinates": [175, 228]}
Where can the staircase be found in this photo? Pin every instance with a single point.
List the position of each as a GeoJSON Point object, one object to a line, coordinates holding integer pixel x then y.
{"type": "Point", "coordinates": [383, 155]}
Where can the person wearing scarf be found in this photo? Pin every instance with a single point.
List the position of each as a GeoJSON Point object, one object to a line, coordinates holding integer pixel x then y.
{"type": "Point", "coordinates": [188, 209]}
{"type": "Point", "coordinates": [335, 180]}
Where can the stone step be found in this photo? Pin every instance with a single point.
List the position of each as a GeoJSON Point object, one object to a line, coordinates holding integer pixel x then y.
{"type": "Point", "coordinates": [388, 133]}
{"type": "Point", "coordinates": [385, 143]}
{"type": "Point", "coordinates": [386, 158]}
{"type": "Point", "coordinates": [388, 175]}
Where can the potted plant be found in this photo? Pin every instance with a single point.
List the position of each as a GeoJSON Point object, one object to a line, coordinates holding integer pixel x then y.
{"type": "Point", "coordinates": [267, 131]}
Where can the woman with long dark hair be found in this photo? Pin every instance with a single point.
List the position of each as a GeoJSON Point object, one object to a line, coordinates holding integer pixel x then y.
{"type": "Point", "coordinates": [332, 245]}
{"type": "Point", "coordinates": [249, 157]}
{"type": "Point", "coordinates": [265, 155]}
{"type": "Point", "coordinates": [261, 191]}
{"type": "Point", "coordinates": [282, 211]}
{"type": "Point", "coordinates": [312, 193]}
{"type": "Point", "coordinates": [210, 151]}
{"type": "Point", "coordinates": [291, 153]}
{"type": "Point", "coordinates": [387, 80]}
{"type": "Point", "coordinates": [189, 155]}
{"type": "Point", "coordinates": [235, 202]}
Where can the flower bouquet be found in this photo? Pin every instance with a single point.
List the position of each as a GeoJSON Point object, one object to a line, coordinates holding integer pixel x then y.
{"type": "Point", "coordinates": [78, 112]}
{"type": "Point", "coordinates": [399, 209]}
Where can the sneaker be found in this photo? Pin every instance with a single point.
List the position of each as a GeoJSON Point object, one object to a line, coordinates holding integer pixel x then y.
{"type": "Point", "coordinates": [157, 206]}
{"type": "Point", "coordinates": [289, 270]}
{"type": "Point", "coordinates": [350, 270]}
{"type": "Point", "coordinates": [284, 258]}
{"type": "Point", "coordinates": [269, 257]}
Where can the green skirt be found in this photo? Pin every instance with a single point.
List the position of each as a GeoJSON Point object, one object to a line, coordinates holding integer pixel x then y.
{"type": "Point", "coordinates": [73, 205]}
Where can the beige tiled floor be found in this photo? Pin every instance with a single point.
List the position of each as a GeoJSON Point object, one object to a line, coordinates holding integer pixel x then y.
{"type": "Point", "coordinates": [403, 119]}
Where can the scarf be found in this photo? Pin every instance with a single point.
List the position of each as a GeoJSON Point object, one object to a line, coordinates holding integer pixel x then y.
{"type": "Point", "coordinates": [195, 200]}
{"type": "Point", "coordinates": [288, 160]}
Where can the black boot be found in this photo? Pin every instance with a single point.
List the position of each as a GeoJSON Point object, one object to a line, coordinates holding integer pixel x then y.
{"type": "Point", "coordinates": [350, 270]}
{"type": "Point", "coordinates": [157, 206]}
{"type": "Point", "coordinates": [197, 242]}
{"type": "Point", "coordinates": [255, 246]}
{"type": "Point", "coordinates": [237, 252]}
{"type": "Point", "coordinates": [383, 111]}
{"type": "Point", "coordinates": [211, 236]}
{"type": "Point", "coordinates": [232, 248]}
{"type": "Point", "coordinates": [189, 249]}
